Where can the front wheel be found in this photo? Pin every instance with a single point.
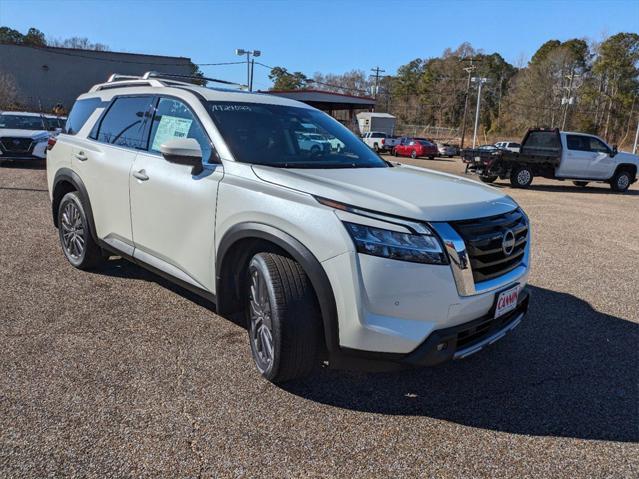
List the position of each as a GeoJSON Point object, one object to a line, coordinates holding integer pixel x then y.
{"type": "Point", "coordinates": [413, 154]}
{"type": "Point", "coordinates": [521, 177]}
{"type": "Point", "coordinates": [431, 157]}
{"type": "Point", "coordinates": [77, 242]}
{"type": "Point", "coordinates": [621, 181]}
{"type": "Point", "coordinates": [581, 184]}
{"type": "Point", "coordinates": [283, 318]}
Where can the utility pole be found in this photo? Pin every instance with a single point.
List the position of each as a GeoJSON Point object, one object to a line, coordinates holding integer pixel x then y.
{"type": "Point", "coordinates": [469, 70]}
{"type": "Point", "coordinates": [377, 71]}
{"type": "Point", "coordinates": [481, 81]}
{"type": "Point", "coordinates": [249, 64]}
{"type": "Point", "coordinates": [569, 99]}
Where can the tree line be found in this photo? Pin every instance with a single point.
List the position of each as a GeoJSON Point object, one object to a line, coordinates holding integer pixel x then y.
{"type": "Point", "coordinates": [577, 84]}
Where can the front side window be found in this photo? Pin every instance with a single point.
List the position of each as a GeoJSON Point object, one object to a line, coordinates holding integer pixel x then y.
{"type": "Point", "coordinates": [289, 137]}
{"type": "Point", "coordinates": [173, 119]}
{"type": "Point", "coordinates": [124, 124]}
{"type": "Point", "coordinates": [597, 145]}
{"type": "Point", "coordinates": [22, 122]}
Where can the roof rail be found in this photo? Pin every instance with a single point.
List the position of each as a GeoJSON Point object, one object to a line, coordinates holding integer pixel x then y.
{"type": "Point", "coordinates": [156, 79]}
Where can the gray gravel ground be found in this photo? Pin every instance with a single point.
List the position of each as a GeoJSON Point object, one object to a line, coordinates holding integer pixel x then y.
{"type": "Point", "coordinates": [117, 373]}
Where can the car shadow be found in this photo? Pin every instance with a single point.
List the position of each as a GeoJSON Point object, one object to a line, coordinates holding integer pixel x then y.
{"type": "Point", "coordinates": [566, 371]}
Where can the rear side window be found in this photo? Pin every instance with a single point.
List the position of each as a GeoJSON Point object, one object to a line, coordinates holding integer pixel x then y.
{"type": "Point", "coordinates": [80, 113]}
{"type": "Point", "coordinates": [124, 124]}
{"type": "Point", "coordinates": [577, 143]}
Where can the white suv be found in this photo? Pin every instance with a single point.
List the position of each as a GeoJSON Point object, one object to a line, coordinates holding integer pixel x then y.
{"type": "Point", "coordinates": [334, 256]}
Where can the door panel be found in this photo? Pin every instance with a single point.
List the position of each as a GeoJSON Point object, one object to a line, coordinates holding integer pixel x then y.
{"type": "Point", "coordinates": [577, 158]}
{"type": "Point", "coordinates": [173, 218]}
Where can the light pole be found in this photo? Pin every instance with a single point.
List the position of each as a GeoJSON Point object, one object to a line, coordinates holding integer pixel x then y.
{"type": "Point", "coordinates": [249, 64]}
{"type": "Point", "coordinates": [481, 81]}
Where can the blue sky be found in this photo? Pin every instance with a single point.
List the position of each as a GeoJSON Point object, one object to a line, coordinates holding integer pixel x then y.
{"type": "Point", "coordinates": [327, 36]}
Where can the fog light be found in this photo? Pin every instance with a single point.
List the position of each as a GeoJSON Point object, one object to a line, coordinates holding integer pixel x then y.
{"type": "Point", "coordinates": [442, 346]}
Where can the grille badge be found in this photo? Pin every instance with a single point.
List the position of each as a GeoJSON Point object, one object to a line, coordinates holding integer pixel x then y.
{"type": "Point", "coordinates": [508, 242]}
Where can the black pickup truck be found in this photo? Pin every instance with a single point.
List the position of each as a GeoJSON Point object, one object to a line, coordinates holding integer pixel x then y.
{"type": "Point", "coordinates": [539, 155]}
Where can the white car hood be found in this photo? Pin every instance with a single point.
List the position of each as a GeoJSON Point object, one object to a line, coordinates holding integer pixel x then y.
{"type": "Point", "coordinates": [406, 191]}
{"type": "Point", "coordinates": [33, 134]}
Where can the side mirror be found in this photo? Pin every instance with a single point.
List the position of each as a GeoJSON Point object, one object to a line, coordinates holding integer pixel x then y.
{"type": "Point", "coordinates": [183, 151]}
{"type": "Point", "coordinates": [614, 150]}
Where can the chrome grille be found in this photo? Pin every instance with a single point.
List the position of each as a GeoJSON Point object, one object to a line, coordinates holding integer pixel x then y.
{"type": "Point", "coordinates": [484, 238]}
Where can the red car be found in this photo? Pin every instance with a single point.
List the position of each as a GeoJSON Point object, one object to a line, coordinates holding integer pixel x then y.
{"type": "Point", "coordinates": [416, 147]}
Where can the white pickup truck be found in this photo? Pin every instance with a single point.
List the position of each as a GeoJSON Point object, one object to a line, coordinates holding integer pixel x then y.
{"type": "Point", "coordinates": [555, 154]}
{"type": "Point", "coordinates": [380, 141]}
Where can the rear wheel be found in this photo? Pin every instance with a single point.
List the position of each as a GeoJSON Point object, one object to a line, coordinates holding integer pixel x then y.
{"type": "Point", "coordinates": [621, 181]}
{"type": "Point", "coordinates": [521, 177]}
{"type": "Point", "coordinates": [376, 148]}
{"type": "Point", "coordinates": [76, 239]}
{"type": "Point", "coordinates": [394, 152]}
{"type": "Point", "coordinates": [283, 318]}
{"type": "Point", "coordinates": [581, 184]}
{"type": "Point", "coordinates": [488, 179]}
{"type": "Point", "coordinates": [431, 157]}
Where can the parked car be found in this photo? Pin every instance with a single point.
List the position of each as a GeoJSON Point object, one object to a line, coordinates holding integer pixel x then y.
{"type": "Point", "coordinates": [338, 257]}
{"type": "Point", "coordinates": [555, 154]}
{"type": "Point", "coordinates": [379, 141]}
{"type": "Point", "coordinates": [415, 148]}
{"type": "Point", "coordinates": [313, 142]}
{"type": "Point", "coordinates": [446, 149]}
{"type": "Point", "coordinates": [23, 136]}
{"type": "Point", "coordinates": [508, 145]}
{"type": "Point", "coordinates": [55, 123]}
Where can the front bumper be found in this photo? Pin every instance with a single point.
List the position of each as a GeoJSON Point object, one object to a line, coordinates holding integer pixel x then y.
{"type": "Point", "coordinates": [442, 345]}
{"type": "Point", "coordinates": [36, 152]}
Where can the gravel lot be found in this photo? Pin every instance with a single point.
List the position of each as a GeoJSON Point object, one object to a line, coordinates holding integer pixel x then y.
{"type": "Point", "coordinates": [117, 373]}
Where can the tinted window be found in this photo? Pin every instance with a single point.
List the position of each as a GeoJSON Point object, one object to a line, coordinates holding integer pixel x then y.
{"type": "Point", "coordinates": [125, 122]}
{"type": "Point", "coordinates": [578, 143]}
{"type": "Point", "coordinates": [597, 145]}
{"type": "Point", "coordinates": [80, 113]}
{"type": "Point", "coordinates": [278, 135]}
{"type": "Point", "coordinates": [514, 145]}
{"type": "Point", "coordinates": [173, 119]}
{"type": "Point", "coordinates": [378, 135]}
{"type": "Point", "coordinates": [542, 139]}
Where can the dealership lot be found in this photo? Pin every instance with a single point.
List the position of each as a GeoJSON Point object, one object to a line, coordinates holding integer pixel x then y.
{"type": "Point", "coordinates": [118, 372]}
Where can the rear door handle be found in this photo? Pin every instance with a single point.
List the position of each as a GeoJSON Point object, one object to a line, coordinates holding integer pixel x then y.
{"type": "Point", "coordinates": [81, 156]}
{"type": "Point", "coordinates": [141, 175]}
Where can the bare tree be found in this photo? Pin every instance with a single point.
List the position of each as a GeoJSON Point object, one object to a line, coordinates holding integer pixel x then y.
{"type": "Point", "coordinates": [8, 91]}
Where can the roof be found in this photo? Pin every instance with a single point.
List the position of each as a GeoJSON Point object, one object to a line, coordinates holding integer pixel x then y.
{"type": "Point", "coordinates": [21, 113]}
{"type": "Point", "coordinates": [323, 96]}
{"type": "Point", "coordinates": [369, 114]}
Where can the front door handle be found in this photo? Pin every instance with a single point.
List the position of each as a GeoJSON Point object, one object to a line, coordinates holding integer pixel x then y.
{"type": "Point", "coordinates": [81, 156]}
{"type": "Point", "coordinates": [141, 175]}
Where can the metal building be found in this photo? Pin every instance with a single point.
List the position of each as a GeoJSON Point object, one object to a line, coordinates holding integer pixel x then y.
{"type": "Point", "coordinates": [46, 76]}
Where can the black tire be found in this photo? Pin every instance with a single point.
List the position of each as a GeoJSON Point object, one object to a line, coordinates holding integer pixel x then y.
{"type": "Point", "coordinates": [315, 150]}
{"type": "Point", "coordinates": [76, 240]}
{"type": "Point", "coordinates": [413, 154]}
{"type": "Point", "coordinates": [581, 184]}
{"type": "Point", "coordinates": [431, 157]}
{"type": "Point", "coordinates": [521, 177]}
{"type": "Point", "coordinates": [450, 156]}
{"type": "Point", "coordinates": [376, 148]}
{"type": "Point", "coordinates": [394, 152]}
{"type": "Point", "coordinates": [286, 306]}
{"type": "Point", "coordinates": [621, 181]}
{"type": "Point", "coordinates": [488, 179]}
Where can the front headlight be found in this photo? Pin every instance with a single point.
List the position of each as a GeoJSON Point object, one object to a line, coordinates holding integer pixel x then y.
{"type": "Point", "coordinates": [416, 248]}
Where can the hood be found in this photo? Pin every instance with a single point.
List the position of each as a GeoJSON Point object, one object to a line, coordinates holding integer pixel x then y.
{"type": "Point", "coordinates": [406, 191]}
{"type": "Point", "coordinates": [33, 134]}
{"type": "Point", "coordinates": [625, 157]}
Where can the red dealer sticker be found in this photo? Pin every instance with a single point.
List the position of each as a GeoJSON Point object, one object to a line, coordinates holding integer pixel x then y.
{"type": "Point", "coordinates": [506, 301]}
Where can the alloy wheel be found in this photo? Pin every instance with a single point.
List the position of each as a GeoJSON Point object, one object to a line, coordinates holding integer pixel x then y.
{"type": "Point", "coordinates": [73, 231]}
{"type": "Point", "coordinates": [623, 182]}
{"type": "Point", "coordinates": [523, 177]}
{"type": "Point", "coordinates": [261, 325]}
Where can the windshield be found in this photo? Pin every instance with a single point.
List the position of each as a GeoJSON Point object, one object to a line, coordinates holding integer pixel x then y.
{"type": "Point", "coordinates": [21, 122]}
{"type": "Point", "coordinates": [289, 137]}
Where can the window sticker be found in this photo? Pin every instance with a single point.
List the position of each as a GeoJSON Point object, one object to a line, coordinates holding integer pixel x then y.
{"type": "Point", "coordinates": [170, 127]}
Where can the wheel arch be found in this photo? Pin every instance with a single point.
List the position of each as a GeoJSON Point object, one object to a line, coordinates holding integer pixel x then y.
{"type": "Point", "coordinates": [235, 250]}
{"type": "Point", "coordinates": [65, 181]}
{"type": "Point", "coordinates": [626, 166]}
